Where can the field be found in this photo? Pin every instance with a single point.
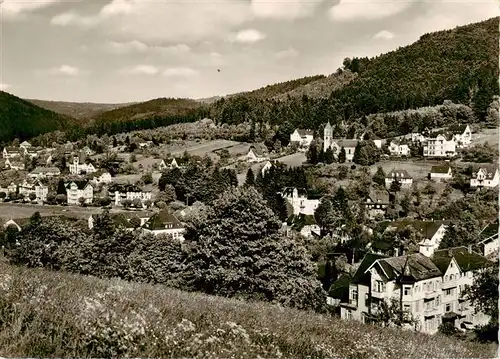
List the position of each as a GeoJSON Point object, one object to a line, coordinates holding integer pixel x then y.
{"type": "Point", "coordinates": [55, 314]}
{"type": "Point", "coordinates": [490, 135]}
{"type": "Point", "coordinates": [14, 210]}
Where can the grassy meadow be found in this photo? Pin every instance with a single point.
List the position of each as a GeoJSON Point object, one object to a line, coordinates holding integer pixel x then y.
{"type": "Point", "coordinates": [55, 314]}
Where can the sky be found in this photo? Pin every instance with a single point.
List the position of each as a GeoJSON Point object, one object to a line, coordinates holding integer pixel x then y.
{"type": "Point", "coordinates": [115, 51]}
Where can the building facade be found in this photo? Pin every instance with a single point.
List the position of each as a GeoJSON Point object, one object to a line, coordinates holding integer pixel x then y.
{"type": "Point", "coordinates": [439, 146]}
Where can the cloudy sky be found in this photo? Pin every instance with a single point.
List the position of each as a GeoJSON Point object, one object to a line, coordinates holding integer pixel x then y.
{"type": "Point", "coordinates": [134, 50]}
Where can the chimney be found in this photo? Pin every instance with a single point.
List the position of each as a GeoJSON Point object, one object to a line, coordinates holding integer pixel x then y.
{"type": "Point", "coordinates": [469, 248]}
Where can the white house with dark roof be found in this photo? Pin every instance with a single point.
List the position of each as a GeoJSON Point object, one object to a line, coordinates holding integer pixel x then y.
{"type": "Point", "coordinates": [81, 165]}
{"type": "Point", "coordinates": [377, 202]}
{"type": "Point", "coordinates": [41, 191]}
{"type": "Point", "coordinates": [119, 192]}
{"type": "Point", "coordinates": [488, 243]}
{"type": "Point", "coordinates": [103, 177]}
{"type": "Point", "coordinates": [257, 153]}
{"type": "Point", "coordinates": [486, 176]}
{"type": "Point", "coordinates": [348, 145]}
{"type": "Point", "coordinates": [439, 146]}
{"type": "Point", "coordinates": [300, 201]}
{"type": "Point", "coordinates": [429, 289]}
{"type": "Point", "coordinates": [13, 163]}
{"type": "Point", "coordinates": [302, 137]}
{"type": "Point", "coordinates": [462, 135]}
{"type": "Point", "coordinates": [12, 152]}
{"type": "Point", "coordinates": [439, 173]}
{"type": "Point", "coordinates": [40, 172]}
{"type": "Point", "coordinates": [268, 165]}
{"type": "Point", "coordinates": [79, 189]}
{"type": "Point", "coordinates": [400, 175]}
{"type": "Point", "coordinates": [164, 222]}
{"type": "Point", "coordinates": [396, 149]}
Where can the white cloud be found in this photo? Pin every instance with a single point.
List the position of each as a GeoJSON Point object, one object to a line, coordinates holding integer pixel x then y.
{"type": "Point", "coordinates": [248, 36]}
{"type": "Point", "coordinates": [173, 20]}
{"type": "Point", "coordinates": [356, 10]}
{"type": "Point", "coordinates": [16, 8]}
{"type": "Point", "coordinates": [180, 72]}
{"type": "Point", "coordinates": [66, 70]}
{"type": "Point", "coordinates": [286, 54]}
{"type": "Point", "coordinates": [284, 9]}
{"type": "Point", "coordinates": [127, 47]}
{"type": "Point", "coordinates": [140, 70]}
{"type": "Point", "coordinates": [384, 35]}
{"type": "Point", "coordinates": [4, 87]}
{"type": "Point", "coordinates": [136, 46]}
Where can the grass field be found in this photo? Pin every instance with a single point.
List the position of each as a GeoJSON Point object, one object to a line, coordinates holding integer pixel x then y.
{"type": "Point", "coordinates": [54, 314]}
{"type": "Point", "coordinates": [15, 210]}
{"type": "Point", "coordinates": [486, 135]}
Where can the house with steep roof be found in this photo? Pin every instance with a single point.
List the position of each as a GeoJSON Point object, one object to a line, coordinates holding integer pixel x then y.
{"type": "Point", "coordinates": [398, 175]}
{"type": "Point", "coordinates": [41, 172]}
{"type": "Point", "coordinates": [102, 177]}
{"type": "Point", "coordinates": [12, 152]}
{"type": "Point", "coordinates": [25, 144]}
{"type": "Point", "coordinates": [377, 202]}
{"type": "Point", "coordinates": [462, 135]}
{"type": "Point", "coordinates": [302, 137]}
{"type": "Point", "coordinates": [304, 224]}
{"type": "Point", "coordinates": [349, 146]}
{"type": "Point", "coordinates": [398, 150]}
{"type": "Point", "coordinates": [164, 222]}
{"type": "Point", "coordinates": [32, 152]}
{"type": "Point", "coordinates": [268, 165]}
{"type": "Point", "coordinates": [440, 145]}
{"type": "Point", "coordinates": [486, 176]}
{"type": "Point", "coordinates": [488, 244]}
{"type": "Point", "coordinates": [441, 173]}
{"type": "Point", "coordinates": [429, 289]}
{"type": "Point", "coordinates": [257, 153]}
{"type": "Point", "coordinates": [41, 191]}
{"type": "Point", "coordinates": [18, 223]}
{"type": "Point", "coordinates": [81, 165]}
{"type": "Point", "coordinates": [79, 189]}
{"type": "Point", "coordinates": [299, 201]}
{"type": "Point", "coordinates": [14, 164]}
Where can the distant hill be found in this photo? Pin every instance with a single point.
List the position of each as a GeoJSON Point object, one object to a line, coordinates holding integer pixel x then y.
{"type": "Point", "coordinates": [78, 110]}
{"type": "Point", "coordinates": [22, 119]}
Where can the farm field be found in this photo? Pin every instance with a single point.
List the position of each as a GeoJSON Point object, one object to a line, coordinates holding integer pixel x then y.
{"type": "Point", "coordinates": [490, 135]}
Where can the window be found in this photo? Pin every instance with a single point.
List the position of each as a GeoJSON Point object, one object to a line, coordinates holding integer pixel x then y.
{"type": "Point", "coordinates": [451, 277]}
{"type": "Point", "coordinates": [407, 290]}
{"type": "Point", "coordinates": [448, 308]}
{"type": "Point", "coordinates": [406, 308]}
{"type": "Point", "coordinates": [417, 306]}
{"type": "Point", "coordinates": [379, 286]}
{"type": "Point", "coordinates": [448, 291]}
{"type": "Point", "coordinates": [438, 300]}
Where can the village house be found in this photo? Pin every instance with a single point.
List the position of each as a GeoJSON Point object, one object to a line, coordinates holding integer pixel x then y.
{"type": "Point", "coordinates": [165, 222]}
{"type": "Point", "coordinates": [399, 150]}
{"type": "Point", "coordinates": [302, 137]}
{"type": "Point", "coordinates": [126, 220]}
{"type": "Point", "coordinates": [12, 152]}
{"type": "Point", "coordinates": [400, 175]}
{"type": "Point", "coordinates": [87, 151]}
{"type": "Point", "coordinates": [25, 145]}
{"type": "Point", "coordinates": [13, 164]}
{"type": "Point", "coordinates": [427, 288]}
{"type": "Point", "coordinates": [257, 153]}
{"type": "Point", "coordinates": [268, 165]}
{"type": "Point", "coordinates": [441, 173]}
{"type": "Point", "coordinates": [25, 188]}
{"type": "Point", "coordinates": [41, 191]}
{"type": "Point", "coordinates": [432, 232]}
{"type": "Point", "coordinates": [103, 177]}
{"type": "Point", "coordinates": [304, 224]}
{"type": "Point", "coordinates": [176, 162]}
{"type": "Point", "coordinates": [488, 244]}
{"type": "Point", "coordinates": [462, 135]}
{"type": "Point", "coordinates": [40, 172]}
{"type": "Point", "coordinates": [377, 202]}
{"type": "Point", "coordinates": [119, 192]}
{"type": "Point", "coordinates": [32, 152]}
{"type": "Point", "coordinates": [79, 189]}
{"type": "Point", "coordinates": [17, 223]}
{"type": "Point", "coordinates": [300, 201]}
{"type": "Point", "coordinates": [439, 146]}
{"type": "Point", "coordinates": [81, 165]}
{"type": "Point", "coordinates": [486, 176]}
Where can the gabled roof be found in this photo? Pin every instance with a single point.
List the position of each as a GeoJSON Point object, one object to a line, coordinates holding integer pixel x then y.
{"type": "Point", "coordinates": [360, 277]}
{"type": "Point", "coordinates": [416, 266]}
{"type": "Point", "coordinates": [434, 135]}
{"type": "Point", "coordinates": [288, 192]}
{"type": "Point", "coordinates": [426, 228]}
{"type": "Point", "coordinates": [340, 288]}
{"type": "Point", "coordinates": [297, 222]}
{"type": "Point", "coordinates": [259, 149]}
{"type": "Point", "coordinates": [379, 196]}
{"type": "Point", "coordinates": [81, 184]}
{"type": "Point", "coordinates": [490, 230]}
{"type": "Point", "coordinates": [162, 219]}
{"type": "Point", "coordinates": [490, 171]}
{"type": "Point", "coordinates": [124, 188]}
{"type": "Point", "coordinates": [397, 173]}
{"type": "Point", "coordinates": [346, 143]}
{"type": "Point", "coordinates": [303, 133]}
{"type": "Point", "coordinates": [25, 144]}
{"type": "Point", "coordinates": [465, 260]}
{"type": "Point", "coordinates": [440, 169]}
{"type": "Point", "coordinates": [457, 129]}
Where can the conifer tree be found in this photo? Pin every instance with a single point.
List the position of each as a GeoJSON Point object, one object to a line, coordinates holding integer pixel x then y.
{"type": "Point", "coordinates": [250, 178]}
{"type": "Point", "coordinates": [342, 156]}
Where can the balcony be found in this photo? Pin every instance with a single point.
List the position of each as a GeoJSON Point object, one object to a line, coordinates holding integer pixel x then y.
{"type": "Point", "coordinates": [450, 284]}
{"type": "Point", "coordinates": [380, 295]}
{"type": "Point", "coordinates": [430, 293]}
{"type": "Point", "coordinates": [435, 310]}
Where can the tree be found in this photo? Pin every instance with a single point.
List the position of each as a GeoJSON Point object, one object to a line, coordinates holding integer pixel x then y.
{"type": "Point", "coordinates": [379, 176]}
{"type": "Point", "coordinates": [167, 195]}
{"type": "Point", "coordinates": [250, 178]}
{"type": "Point", "coordinates": [395, 185]}
{"type": "Point", "coordinates": [32, 196]}
{"type": "Point", "coordinates": [329, 157]}
{"type": "Point", "coordinates": [61, 188]}
{"type": "Point", "coordinates": [277, 146]}
{"type": "Point", "coordinates": [147, 178]}
{"type": "Point", "coordinates": [126, 203]}
{"type": "Point", "coordinates": [236, 250]}
{"type": "Point", "coordinates": [81, 200]}
{"type": "Point", "coordinates": [312, 153]}
{"type": "Point", "coordinates": [137, 203]}
{"type": "Point", "coordinates": [3, 195]}
{"type": "Point", "coordinates": [462, 233]}
{"type": "Point", "coordinates": [61, 199]}
{"type": "Point", "coordinates": [366, 153]}
{"type": "Point", "coordinates": [342, 156]}
{"type": "Point", "coordinates": [390, 313]}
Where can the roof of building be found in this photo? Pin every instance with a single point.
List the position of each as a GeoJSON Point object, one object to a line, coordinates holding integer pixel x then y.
{"type": "Point", "coordinates": [426, 228]}
{"type": "Point", "coordinates": [81, 184]}
{"type": "Point", "coordinates": [440, 169]}
{"type": "Point", "coordinates": [288, 192]}
{"type": "Point", "coordinates": [303, 132]}
{"type": "Point", "coordinates": [490, 171]}
{"type": "Point", "coordinates": [434, 135]}
{"type": "Point", "coordinates": [340, 287]}
{"type": "Point", "coordinates": [346, 143]}
{"type": "Point", "coordinates": [124, 188]}
{"type": "Point", "coordinates": [297, 222]}
{"type": "Point", "coordinates": [259, 149]}
{"type": "Point", "coordinates": [25, 144]}
{"type": "Point", "coordinates": [161, 219]}
{"type": "Point", "coordinates": [38, 170]}
{"type": "Point", "coordinates": [360, 277]}
{"type": "Point", "coordinates": [397, 173]}
{"type": "Point", "coordinates": [414, 266]}
{"type": "Point", "coordinates": [12, 149]}
{"type": "Point", "coordinates": [379, 196]}
{"type": "Point", "coordinates": [466, 260]}
{"type": "Point", "coordinates": [490, 230]}
{"type": "Point", "coordinates": [457, 129]}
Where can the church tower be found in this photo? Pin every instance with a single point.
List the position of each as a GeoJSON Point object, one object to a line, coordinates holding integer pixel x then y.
{"type": "Point", "coordinates": [327, 136]}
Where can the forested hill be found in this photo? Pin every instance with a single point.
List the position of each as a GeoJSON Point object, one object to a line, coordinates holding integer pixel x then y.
{"type": "Point", "coordinates": [460, 65]}
{"type": "Point", "coordinates": [22, 119]}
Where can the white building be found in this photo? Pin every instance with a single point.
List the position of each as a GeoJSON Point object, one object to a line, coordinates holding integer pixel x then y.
{"type": "Point", "coordinates": [299, 201]}
{"type": "Point", "coordinates": [12, 152]}
{"type": "Point", "coordinates": [462, 135]}
{"type": "Point", "coordinates": [165, 222]}
{"type": "Point", "coordinates": [41, 191]}
{"type": "Point", "coordinates": [486, 176]}
{"type": "Point", "coordinates": [12, 164]}
{"type": "Point", "coordinates": [40, 172]}
{"type": "Point", "coordinates": [119, 192]}
{"type": "Point", "coordinates": [302, 137]}
{"type": "Point", "coordinates": [439, 146]}
{"type": "Point", "coordinates": [440, 173]}
{"type": "Point", "coordinates": [400, 175]}
{"type": "Point", "coordinates": [257, 153]}
{"type": "Point", "coordinates": [396, 149]}
{"type": "Point", "coordinates": [79, 189]}
{"type": "Point", "coordinates": [429, 289]}
{"type": "Point", "coordinates": [489, 241]}
{"type": "Point", "coordinates": [25, 144]}
{"type": "Point", "coordinates": [102, 177]}
{"type": "Point", "coordinates": [80, 166]}
{"type": "Point", "coordinates": [268, 165]}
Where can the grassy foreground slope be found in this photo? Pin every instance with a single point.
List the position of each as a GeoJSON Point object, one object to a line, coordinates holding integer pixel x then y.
{"type": "Point", "coordinates": [54, 314]}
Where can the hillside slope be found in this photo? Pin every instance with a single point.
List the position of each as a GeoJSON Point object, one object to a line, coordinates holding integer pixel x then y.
{"type": "Point", "coordinates": [77, 110]}
{"type": "Point", "coordinates": [22, 119]}
{"type": "Point", "coordinates": [54, 314]}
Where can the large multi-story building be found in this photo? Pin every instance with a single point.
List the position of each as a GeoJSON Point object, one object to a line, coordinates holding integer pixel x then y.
{"type": "Point", "coordinates": [462, 135]}
{"type": "Point", "coordinates": [428, 288]}
{"type": "Point", "coordinates": [439, 146]}
{"type": "Point", "coordinates": [299, 201]}
{"type": "Point", "coordinates": [119, 192]}
{"type": "Point", "coordinates": [81, 165]}
{"type": "Point", "coordinates": [79, 189]}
